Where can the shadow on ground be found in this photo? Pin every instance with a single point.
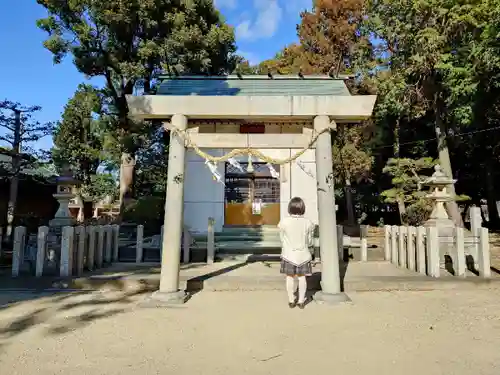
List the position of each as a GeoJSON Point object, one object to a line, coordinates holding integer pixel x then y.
{"type": "Point", "coordinates": [62, 313]}
{"type": "Point", "coordinates": [196, 284]}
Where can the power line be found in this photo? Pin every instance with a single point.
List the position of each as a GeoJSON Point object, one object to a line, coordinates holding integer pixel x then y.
{"type": "Point", "coordinates": [434, 139]}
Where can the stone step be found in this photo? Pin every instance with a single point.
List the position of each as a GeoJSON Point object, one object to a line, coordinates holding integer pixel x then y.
{"type": "Point", "coordinates": [261, 229]}
{"type": "Point", "coordinates": [239, 237]}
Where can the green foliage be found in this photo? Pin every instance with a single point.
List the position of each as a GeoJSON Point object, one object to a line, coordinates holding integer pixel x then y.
{"type": "Point", "coordinates": [128, 42]}
{"type": "Point", "coordinates": [406, 188]}
{"type": "Point", "coordinates": [100, 187]}
{"type": "Point", "coordinates": [78, 137]}
{"type": "Point", "coordinates": [426, 45]}
{"type": "Point", "coordinates": [147, 211]}
{"type": "Point", "coordinates": [350, 161]}
{"type": "Point", "coordinates": [406, 179]}
{"type": "Point", "coordinates": [152, 163]}
{"type": "Point", "coordinates": [418, 212]}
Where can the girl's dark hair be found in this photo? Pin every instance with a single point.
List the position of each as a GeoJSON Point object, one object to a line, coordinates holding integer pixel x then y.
{"type": "Point", "coordinates": [296, 206]}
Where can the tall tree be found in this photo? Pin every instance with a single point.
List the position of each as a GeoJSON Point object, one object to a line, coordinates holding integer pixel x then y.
{"type": "Point", "coordinates": [329, 36]}
{"type": "Point", "coordinates": [351, 164]}
{"type": "Point", "coordinates": [21, 130]}
{"type": "Point", "coordinates": [429, 43]}
{"type": "Point", "coordinates": [288, 61]}
{"type": "Point", "coordinates": [128, 42]}
{"type": "Point", "coordinates": [78, 137]}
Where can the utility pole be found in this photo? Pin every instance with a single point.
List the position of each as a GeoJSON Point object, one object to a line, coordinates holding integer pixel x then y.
{"type": "Point", "coordinates": [16, 166]}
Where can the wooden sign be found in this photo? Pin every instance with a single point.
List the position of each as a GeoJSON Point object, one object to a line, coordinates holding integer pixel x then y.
{"type": "Point", "coordinates": [252, 128]}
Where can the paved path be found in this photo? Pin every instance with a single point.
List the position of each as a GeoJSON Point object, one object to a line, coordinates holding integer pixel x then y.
{"type": "Point", "coordinates": [390, 333]}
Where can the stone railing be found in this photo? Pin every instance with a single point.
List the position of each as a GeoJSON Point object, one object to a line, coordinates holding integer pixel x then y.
{"type": "Point", "coordinates": [156, 242]}
{"type": "Point", "coordinates": [188, 242]}
{"type": "Point", "coordinates": [72, 249]}
{"type": "Point", "coordinates": [420, 249]}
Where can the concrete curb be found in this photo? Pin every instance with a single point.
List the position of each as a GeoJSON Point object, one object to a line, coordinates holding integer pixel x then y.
{"type": "Point", "coordinates": [237, 283]}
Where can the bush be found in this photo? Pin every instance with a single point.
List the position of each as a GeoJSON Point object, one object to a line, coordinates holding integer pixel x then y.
{"type": "Point", "coordinates": [418, 213]}
{"type": "Point", "coordinates": [148, 211]}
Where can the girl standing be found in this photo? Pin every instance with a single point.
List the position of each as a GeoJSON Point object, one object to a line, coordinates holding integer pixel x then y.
{"type": "Point", "coordinates": [296, 233]}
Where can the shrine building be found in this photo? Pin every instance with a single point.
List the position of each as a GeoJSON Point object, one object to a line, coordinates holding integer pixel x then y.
{"type": "Point", "coordinates": [274, 116]}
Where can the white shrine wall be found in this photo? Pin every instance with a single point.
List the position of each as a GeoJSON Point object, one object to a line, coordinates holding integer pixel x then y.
{"type": "Point", "coordinates": [204, 197]}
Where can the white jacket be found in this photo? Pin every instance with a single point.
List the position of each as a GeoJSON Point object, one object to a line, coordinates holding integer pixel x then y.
{"type": "Point", "coordinates": [297, 235]}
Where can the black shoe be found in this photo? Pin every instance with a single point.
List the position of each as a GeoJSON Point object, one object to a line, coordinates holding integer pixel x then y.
{"type": "Point", "coordinates": [301, 305]}
{"type": "Point", "coordinates": [291, 305]}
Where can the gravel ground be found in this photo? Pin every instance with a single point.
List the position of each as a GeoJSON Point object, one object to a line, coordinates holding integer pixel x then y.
{"type": "Point", "coordinates": [389, 333]}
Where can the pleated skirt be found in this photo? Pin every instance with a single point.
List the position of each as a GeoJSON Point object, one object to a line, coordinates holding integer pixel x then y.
{"type": "Point", "coordinates": [291, 269]}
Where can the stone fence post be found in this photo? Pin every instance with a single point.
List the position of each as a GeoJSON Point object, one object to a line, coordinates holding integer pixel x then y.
{"type": "Point", "coordinates": [211, 240]}
{"type": "Point", "coordinates": [459, 263]}
{"type": "Point", "coordinates": [186, 245]}
{"type": "Point", "coordinates": [340, 242]}
{"type": "Point", "coordinates": [402, 258]}
{"type": "Point", "coordinates": [108, 243]}
{"type": "Point", "coordinates": [162, 231]}
{"type": "Point", "coordinates": [91, 233]}
{"type": "Point", "coordinates": [139, 244]}
{"type": "Point", "coordinates": [100, 246]}
{"type": "Point", "coordinates": [484, 254]}
{"type": "Point", "coordinates": [433, 266]}
{"type": "Point", "coordinates": [410, 247]}
{"type": "Point", "coordinates": [67, 242]}
{"type": "Point", "coordinates": [18, 250]}
{"type": "Point", "coordinates": [476, 222]}
{"type": "Point", "coordinates": [116, 242]}
{"type": "Point", "coordinates": [41, 250]}
{"type": "Point", "coordinates": [364, 242]}
{"type": "Point", "coordinates": [394, 245]}
{"type": "Point", "coordinates": [81, 232]}
{"type": "Point", "coordinates": [420, 243]}
{"type": "Point", "coordinates": [1, 240]}
{"type": "Point", "coordinates": [387, 242]}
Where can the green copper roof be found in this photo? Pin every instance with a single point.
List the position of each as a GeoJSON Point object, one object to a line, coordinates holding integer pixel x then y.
{"type": "Point", "coordinates": [252, 86]}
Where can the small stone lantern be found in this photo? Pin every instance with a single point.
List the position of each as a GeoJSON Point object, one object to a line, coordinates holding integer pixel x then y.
{"type": "Point", "coordinates": [64, 194]}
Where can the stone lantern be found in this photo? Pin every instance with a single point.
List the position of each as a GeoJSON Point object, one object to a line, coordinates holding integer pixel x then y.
{"type": "Point", "coordinates": [66, 183]}
{"type": "Point", "coordinates": [439, 183]}
{"type": "Point", "coordinates": [439, 194]}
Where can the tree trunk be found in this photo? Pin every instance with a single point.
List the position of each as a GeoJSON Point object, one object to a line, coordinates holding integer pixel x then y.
{"type": "Point", "coordinates": [402, 210]}
{"type": "Point", "coordinates": [400, 201]}
{"type": "Point", "coordinates": [80, 218]}
{"type": "Point", "coordinates": [127, 171]}
{"type": "Point", "coordinates": [445, 162]}
{"type": "Point", "coordinates": [351, 219]}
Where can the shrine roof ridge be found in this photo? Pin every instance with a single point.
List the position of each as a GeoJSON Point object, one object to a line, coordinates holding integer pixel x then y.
{"type": "Point", "coordinates": [251, 86]}
{"type": "Point", "coordinates": [253, 77]}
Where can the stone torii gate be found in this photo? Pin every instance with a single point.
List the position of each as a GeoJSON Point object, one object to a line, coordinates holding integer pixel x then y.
{"type": "Point", "coordinates": [321, 100]}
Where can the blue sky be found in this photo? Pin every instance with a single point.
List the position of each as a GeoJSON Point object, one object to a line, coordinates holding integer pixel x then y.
{"type": "Point", "coordinates": [28, 75]}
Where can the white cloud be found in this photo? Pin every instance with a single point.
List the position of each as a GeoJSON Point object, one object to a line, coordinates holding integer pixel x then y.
{"type": "Point", "coordinates": [269, 15]}
{"type": "Point", "coordinates": [228, 4]}
{"type": "Point", "coordinates": [250, 56]}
